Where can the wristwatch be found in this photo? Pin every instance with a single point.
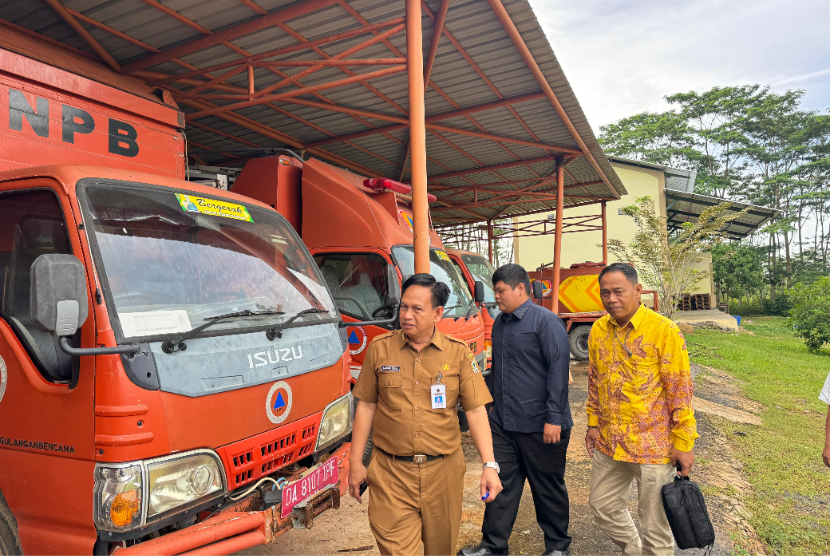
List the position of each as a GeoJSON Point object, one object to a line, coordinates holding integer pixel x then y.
{"type": "Point", "coordinates": [491, 465]}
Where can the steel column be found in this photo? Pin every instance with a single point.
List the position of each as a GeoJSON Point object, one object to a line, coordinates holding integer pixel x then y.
{"type": "Point", "coordinates": [604, 235]}
{"type": "Point", "coordinates": [524, 52]}
{"type": "Point", "coordinates": [490, 240]}
{"type": "Point", "coordinates": [417, 134]}
{"type": "Point", "coordinates": [557, 234]}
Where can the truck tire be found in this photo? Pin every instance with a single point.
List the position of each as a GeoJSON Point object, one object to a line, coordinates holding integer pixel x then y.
{"type": "Point", "coordinates": [9, 541]}
{"type": "Point", "coordinates": [578, 341]}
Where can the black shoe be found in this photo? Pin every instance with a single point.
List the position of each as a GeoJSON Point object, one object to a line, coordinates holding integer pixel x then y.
{"type": "Point", "coordinates": [565, 552]}
{"type": "Point", "coordinates": [479, 550]}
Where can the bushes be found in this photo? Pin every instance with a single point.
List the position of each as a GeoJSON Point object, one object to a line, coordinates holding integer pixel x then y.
{"type": "Point", "coordinates": [778, 307]}
{"type": "Point", "coordinates": [811, 313]}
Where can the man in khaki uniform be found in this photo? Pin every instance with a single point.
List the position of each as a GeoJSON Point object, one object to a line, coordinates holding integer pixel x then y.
{"type": "Point", "coordinates": [408, 389]}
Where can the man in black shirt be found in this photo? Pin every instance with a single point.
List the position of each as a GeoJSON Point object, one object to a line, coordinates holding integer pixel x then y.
{"type": "Point", "coordinates": [531, 419]}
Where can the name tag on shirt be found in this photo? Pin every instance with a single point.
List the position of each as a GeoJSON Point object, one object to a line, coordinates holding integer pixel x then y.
{"type": "Point", "coordinates": [439, 396]}
{"type": "Point", "coordinates": [389, 369]}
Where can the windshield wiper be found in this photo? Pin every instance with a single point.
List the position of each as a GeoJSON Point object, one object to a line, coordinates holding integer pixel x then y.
{"type": "Point", "coordinates": [472, 306]}
{"type": "Point", "coordinates": [276, 332]}
{"type": "Point", "coordinates": [178, 343]}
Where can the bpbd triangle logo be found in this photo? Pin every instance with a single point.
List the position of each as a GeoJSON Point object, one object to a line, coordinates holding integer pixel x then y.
{"type": "Point", "coordinates": [279, 401]}
{"type": "Point", "coordinates": [357, 339]}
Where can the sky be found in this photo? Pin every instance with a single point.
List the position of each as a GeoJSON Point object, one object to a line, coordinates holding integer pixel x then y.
{"type": "Point", "coordinates": [623, 56]}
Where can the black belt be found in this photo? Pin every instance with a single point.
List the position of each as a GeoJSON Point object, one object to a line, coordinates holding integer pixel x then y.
{"type": "Point", "coordinates": [417, 458]}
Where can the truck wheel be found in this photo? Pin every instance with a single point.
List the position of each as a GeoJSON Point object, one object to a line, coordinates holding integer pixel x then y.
{"type": "Point", "coordinates": [367, 451]}
{"type": "Point", "coordinates": [9, 542]}
{"type": "Point", "coordinates": [578, 341]}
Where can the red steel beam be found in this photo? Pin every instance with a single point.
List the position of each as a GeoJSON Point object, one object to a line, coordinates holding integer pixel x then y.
{"type": "Point", "coordinates": [322, 63]}
{"type": "Point", "coordinates": [108, 29]}
{"type": "Point", "coordinates": [520, 202]}
{"type": "Point", "coordinates": [84, 34]}
{"type": "Point", "coordinates": [524, 52]}
{"type": "Point", "coordinates": [50, 40]}
{"type": "Point", "coordinates": [557, 234]}
{"type": "Point", "coordinates": [177, 16]}
{"type": "Point", "coordinates": [501, 166]}
{"type": "Point", "coordinates": [437, 30]}
{"type": "Point", "coordinates": [277, 52]}
{"type": "Point", "coordinates": [417, 136]}
{"type": "Point", "coordinates": [258, 9]}
{"type": "Point", "coordinates": [403, 122]}
{"type": "Point", "coordinates": [330, 62]}
{"type": "Point", "coordinates": [271, 98]}
{"type": "Point", "coordinates": [438, 117]}
{"type": "Point", "coordinates": [235, 31]}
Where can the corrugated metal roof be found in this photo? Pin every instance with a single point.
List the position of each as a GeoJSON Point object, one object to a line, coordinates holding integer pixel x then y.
{"type": "Point", "coordinates": [682, 207]}
{"type": "Point", "coordinates": [476, 63]}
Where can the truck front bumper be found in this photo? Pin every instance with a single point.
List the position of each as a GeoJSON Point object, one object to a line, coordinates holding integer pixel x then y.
{"type": "Point", "coordinates": [238, 527]}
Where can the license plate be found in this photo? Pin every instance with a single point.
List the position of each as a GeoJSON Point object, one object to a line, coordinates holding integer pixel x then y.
{"type": "Point", "coordinates": [299, 491]}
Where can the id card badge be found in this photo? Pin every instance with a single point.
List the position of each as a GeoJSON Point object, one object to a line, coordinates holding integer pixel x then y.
{"type": "Point", "coordinates": [439, 396]}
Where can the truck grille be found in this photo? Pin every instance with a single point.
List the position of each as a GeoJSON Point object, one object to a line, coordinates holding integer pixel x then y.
{"type": "Point", "coordinates": [253, 458]}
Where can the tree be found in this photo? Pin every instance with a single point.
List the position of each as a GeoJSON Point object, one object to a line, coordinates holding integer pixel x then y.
{"type": "Point", "coordinates": [737, 270]}
{"type": "Point", "coordinates": [666, 259]}
{"type": "Point", "coordinates": [751, 145]}
{"type": "Point", "coordinates": [811, 313]}
{"type": "Point", "coordinates": [657, 138]}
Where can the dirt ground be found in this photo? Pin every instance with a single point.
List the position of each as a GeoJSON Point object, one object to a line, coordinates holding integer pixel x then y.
{"type": "Point", "coordinates": [347, 530]}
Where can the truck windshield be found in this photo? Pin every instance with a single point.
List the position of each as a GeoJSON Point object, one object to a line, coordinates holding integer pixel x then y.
{"type": "Point", "coordinates": [482, 270]}
{"type": "Point", "coordinates": [172, 260]}
{"type": "Point", "coordinates": [441, 267]}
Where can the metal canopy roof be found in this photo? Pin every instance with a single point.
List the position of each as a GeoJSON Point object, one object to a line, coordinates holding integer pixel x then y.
{"type": "Point", "coordinates": [329, 77]}
{"type": "Point", "coordinates": [684, 207]}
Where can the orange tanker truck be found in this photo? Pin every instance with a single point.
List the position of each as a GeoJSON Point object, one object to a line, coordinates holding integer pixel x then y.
{"type": "Point", "coordinates": [579, 301]}
{"type": "Point", "coordinates": [360, 234]}
{"type": "Point", "coordinates": [174, 373]}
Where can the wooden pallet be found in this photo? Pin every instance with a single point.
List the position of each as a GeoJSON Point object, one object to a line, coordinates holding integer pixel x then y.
{"type": "Point", "coordinates": [696, 302]}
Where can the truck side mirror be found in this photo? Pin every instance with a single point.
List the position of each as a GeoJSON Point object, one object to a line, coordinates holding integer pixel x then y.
{"type": "Point", "coordinates": [394, 293]}
{"type": "Point", "coordinates": [478, 292]}
{"type": "Point", "coordinates": [57, 296]}
{"type": "Point", "coordinates": [58, 302]}
{"type": "Point", "coordinates": [538, 290]}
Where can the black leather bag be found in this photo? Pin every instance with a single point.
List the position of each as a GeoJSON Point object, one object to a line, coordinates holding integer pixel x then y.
{"type": "Point", "coordinates": [686, 511]}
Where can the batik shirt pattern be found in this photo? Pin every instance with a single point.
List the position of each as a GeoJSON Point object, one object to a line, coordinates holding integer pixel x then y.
{"type": "Point", "coordinates": [640, 388]}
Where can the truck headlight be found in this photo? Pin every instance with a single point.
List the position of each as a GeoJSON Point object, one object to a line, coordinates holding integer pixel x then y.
{"type": "Point", "coordinates": [488, 348]}
{"type": "Point", "coordinates": [131, 495]}
{"type": "Point", "coordinates": [336, 422]}
{"type": "Point", "coordinates": [180, 481]}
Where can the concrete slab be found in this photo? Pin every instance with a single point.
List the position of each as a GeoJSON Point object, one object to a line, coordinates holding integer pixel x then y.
{"type": "Point", "coordinates": [713, 315]}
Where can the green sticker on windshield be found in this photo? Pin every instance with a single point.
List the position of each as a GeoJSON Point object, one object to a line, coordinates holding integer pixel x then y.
{"type": "Point", "coordinates": [212, 207]}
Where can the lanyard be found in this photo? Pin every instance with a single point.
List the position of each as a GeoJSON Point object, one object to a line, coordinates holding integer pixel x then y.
{"type": "Point", "coordinates": [623, 343]}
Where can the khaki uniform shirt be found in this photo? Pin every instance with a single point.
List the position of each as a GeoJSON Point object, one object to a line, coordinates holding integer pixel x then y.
{"type": "Point", "coordinates": [397, 378]}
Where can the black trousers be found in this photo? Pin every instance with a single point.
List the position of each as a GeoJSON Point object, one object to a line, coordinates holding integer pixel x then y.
{"type": "Point", "coordinates": [526, 456]}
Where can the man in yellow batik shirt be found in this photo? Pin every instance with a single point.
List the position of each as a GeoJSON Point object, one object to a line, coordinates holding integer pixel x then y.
{"type": "Point", "coordinates": [640, 417]}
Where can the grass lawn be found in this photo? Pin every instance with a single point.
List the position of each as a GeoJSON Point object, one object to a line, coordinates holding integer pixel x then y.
{"type": "Point", "coordinates": [790, 503]}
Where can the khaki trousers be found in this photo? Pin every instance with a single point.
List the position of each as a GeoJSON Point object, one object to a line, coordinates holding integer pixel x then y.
{"type": "Point", "coordinates": [411, 503]}
{"type": "Point", "coordinates": [611, 483]}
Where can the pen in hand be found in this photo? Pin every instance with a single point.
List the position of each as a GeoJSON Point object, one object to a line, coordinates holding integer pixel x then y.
{"type": "Point", "coordinates": [486, 496]}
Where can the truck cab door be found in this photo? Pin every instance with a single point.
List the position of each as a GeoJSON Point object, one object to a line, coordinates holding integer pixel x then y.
{"type": "Point", "coordinates": [359, 284]}
{"type": "Point", "coordinates": [46, 397]}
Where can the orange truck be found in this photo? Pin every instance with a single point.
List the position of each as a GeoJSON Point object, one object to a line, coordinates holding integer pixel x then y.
{"type": "Point", "coordinates": [174, 373]}
{"type": "Point", "coordinates": [475, 268]}
{"type": "Point", "coordinates": [360, 234]}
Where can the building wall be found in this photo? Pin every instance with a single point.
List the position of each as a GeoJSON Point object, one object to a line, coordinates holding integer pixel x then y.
{"type": "Point", "coordinates": [580, 247]}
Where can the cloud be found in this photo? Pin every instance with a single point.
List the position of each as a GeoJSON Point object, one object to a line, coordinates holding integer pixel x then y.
{"type": "Point", "coordinates": [623, 56]}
